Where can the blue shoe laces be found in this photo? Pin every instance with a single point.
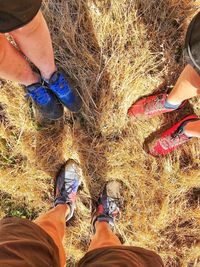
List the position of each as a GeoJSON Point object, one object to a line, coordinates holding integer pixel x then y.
{"type": "Point", "coordinates": [70, 187]}
{"type": "Point", "coordinates": [61, 86]}
{"type": "Point", "coordinates": [39, 95]}
{"type": "Point", "coordinates": [65, 193]}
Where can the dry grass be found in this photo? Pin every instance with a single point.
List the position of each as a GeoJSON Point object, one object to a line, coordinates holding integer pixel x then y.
{"type": "Point", "coordinates": [114, 52]}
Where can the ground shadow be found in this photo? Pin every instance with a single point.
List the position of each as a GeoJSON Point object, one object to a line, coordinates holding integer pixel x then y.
{"type": "Point", "coordinates": [49, 147]}
{"type": "Point", "coordinates": [89, 142]}
{"type": "Point", "coordinates": [166, 24]}
{"type": "Point", "coordinates": [79, 55]}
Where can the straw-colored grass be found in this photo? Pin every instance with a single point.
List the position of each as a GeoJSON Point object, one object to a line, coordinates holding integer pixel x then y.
{"type": "Point", "coordinates": [113, 52]}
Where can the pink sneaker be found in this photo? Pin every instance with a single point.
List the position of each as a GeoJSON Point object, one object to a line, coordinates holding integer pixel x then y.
{"type": "Point", "coordinates": [150, 106]}
{"type": "Point", "coordinates": [171, 139]}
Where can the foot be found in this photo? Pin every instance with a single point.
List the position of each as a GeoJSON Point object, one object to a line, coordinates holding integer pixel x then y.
{"type": "Point", "coordinates": [60, 87]}
{"type": "Point", "coordinates": [66, 186]}
{"type": "Point", "coordinates": [171, 139]}
{"type": "Point", "coordinates": [45, 104]}
{"type": "Point", "coordinates": [109, 203]}
{"type": "Point", "coordinates": [150, 106]}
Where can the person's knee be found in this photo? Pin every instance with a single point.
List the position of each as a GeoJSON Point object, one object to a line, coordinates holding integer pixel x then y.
{"type": "Point", "coordinates": [30, 27]}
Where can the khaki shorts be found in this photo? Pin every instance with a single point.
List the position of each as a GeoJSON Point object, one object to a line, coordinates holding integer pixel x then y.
{"type": "Point", "coordinates": [118, 256]}
{"type": "Point", "coordinates": [25, 244]}
{"type": "Point", "coordinates": [17, 13]}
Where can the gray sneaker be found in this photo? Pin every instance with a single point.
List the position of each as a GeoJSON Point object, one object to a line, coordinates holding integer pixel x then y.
{"type": "Point", "coordinates": [109, 203]}
{"type": "Point", "coordinates": [66, 186]}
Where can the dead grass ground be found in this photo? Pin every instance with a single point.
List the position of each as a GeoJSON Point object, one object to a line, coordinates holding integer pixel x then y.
{"type": "Point", "coordinates": [113, 52]}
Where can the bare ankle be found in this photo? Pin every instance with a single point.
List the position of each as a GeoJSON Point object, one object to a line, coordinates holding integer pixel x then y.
{"type": "Point", "coordinates": [192, 129]}
{"type": "Point", "coordinates": [34, 78]}
{"type": "Point", "coordinates": [48, 73]}
{"type": "Point", "coordinates": [174, 100]}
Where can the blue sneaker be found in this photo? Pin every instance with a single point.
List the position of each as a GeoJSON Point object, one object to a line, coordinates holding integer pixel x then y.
{"type": "Point", "coordinates": [66, 186]}
{"type": "Point", "coordinates": [67, 96]}
{"type": "Point", "coordinates": [109, 203]}
{"type": "Point", "coordinates": [46, 106]}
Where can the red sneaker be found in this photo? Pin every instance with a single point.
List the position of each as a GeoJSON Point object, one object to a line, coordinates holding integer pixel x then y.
{"type": "Point", "coordinates": [171, 139]}
{"type": "Point", "coordinates": [150, 106]}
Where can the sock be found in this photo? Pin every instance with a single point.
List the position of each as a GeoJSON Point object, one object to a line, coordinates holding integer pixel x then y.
{"type": "Point", "coordinates": [171, 106]}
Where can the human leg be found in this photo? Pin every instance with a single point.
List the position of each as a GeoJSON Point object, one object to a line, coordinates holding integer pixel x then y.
{"type": "Point", "coordinates": [53, 223]}
{"type": "Point", "coordinates": [186, 87]}
{"type": "Point", "coordinates": [13, 65]}
{"type": "Point", "coordinates": [192, 128]}
{"type": "Point", "coordinates": [35, 42]}
{"type": "Point", "coordinates": [103, 237]}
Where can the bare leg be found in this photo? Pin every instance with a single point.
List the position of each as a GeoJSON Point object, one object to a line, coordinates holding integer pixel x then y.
{"type": "Point", "coordinates": [13, 65]}
{"type": "Point", "coordinates": [192, 129]}
{"type": "Point", "coordinates": [186, 87]}
{"type": "Point", "coordinates": [35, 42]}
{"type": "Point", "coordinates": [104, 237]}
{"type": "Point", "coordinates": [53, 222]}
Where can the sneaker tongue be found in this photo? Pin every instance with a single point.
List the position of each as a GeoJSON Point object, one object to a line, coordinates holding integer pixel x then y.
{"type": "Point", "coordinates": [54, 77]}
{"type": "Point", "coordinates": [113, 189]}
{"type": "Point", "coordinates": [33, 86]}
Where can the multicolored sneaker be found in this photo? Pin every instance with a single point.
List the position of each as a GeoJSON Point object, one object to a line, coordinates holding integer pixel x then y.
{"type": "Point", "coordinates": [109, 203]}
{"type": "Point", "coordinates": [45, 104]}
{"type": "Point", "coordinates": [67, 96]}
{"type": "Point", "coordinates": [171, 139]}
{"type": "Point", "coordinates": [66, 186]}
{"type": "Point", "coordinates": [151, 106]}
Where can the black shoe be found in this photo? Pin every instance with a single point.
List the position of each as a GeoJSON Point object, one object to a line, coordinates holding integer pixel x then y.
{"type": "Point", "coordinates": [65, 93]}
{"type": "Point", "coordinates": [109, 203]}
{"type": "Point", "coordinates": [46, 105]}
{"type": "Point", "coordinates": [66, 186]}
